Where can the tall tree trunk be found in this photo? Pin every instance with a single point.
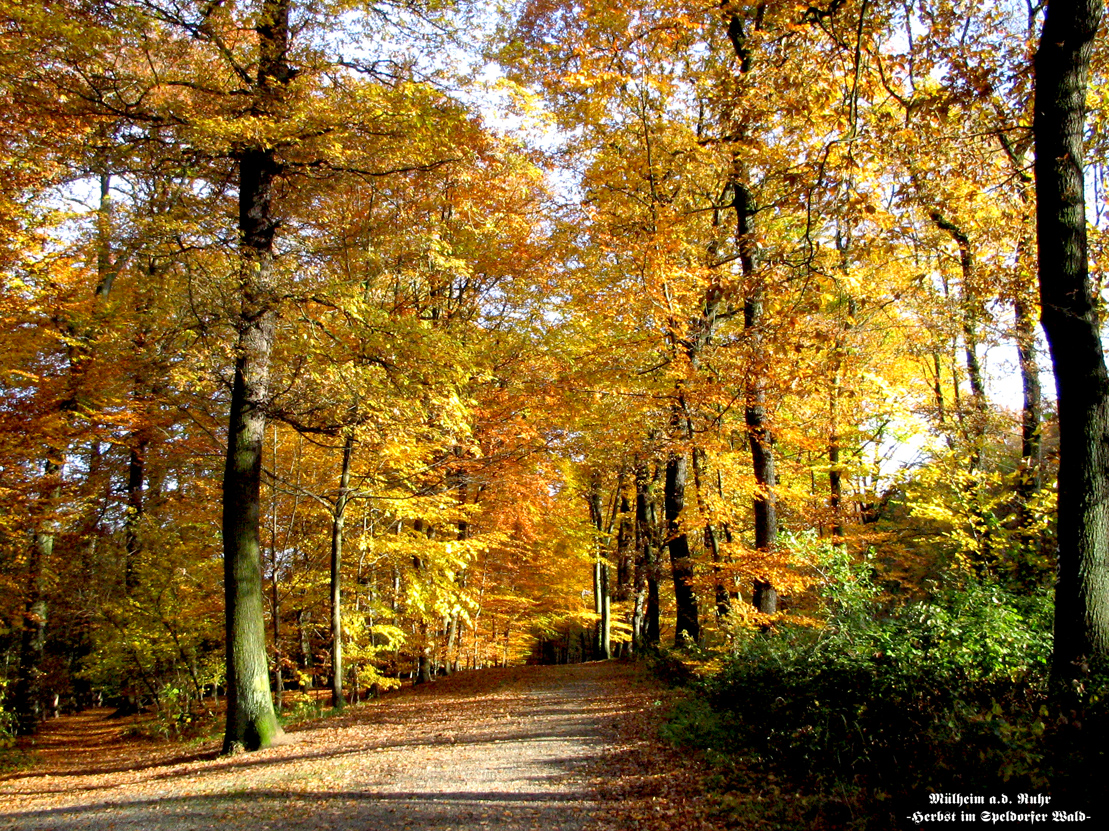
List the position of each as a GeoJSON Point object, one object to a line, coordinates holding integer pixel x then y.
{"type": "Point", "coordinates": [251, 722]}
{"type": "Point", "coordinates": [625, 555]}
{"type": "Point", "coordinates": [338, 521]}
{"type": "Point", "coordinates": [1072, 323]}
{"type": "Point", "coordinates": [761, 439]}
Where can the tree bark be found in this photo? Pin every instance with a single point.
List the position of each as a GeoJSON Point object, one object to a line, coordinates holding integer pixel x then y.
{"type": "Point", "coordinates": [251, 722]}
{"type": "Point", "coordinates": [1072, 323]}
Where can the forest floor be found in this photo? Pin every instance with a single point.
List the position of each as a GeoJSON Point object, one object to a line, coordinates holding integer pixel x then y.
{"type": "Point", "coordinates": [548, 748]}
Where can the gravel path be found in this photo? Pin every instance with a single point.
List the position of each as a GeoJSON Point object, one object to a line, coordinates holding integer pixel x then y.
{"type": "Point", "coordinates": [500, 749]}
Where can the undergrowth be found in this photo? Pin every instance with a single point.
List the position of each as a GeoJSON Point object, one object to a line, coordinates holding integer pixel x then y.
{"type": "Point", "coordinates": [853, 724]}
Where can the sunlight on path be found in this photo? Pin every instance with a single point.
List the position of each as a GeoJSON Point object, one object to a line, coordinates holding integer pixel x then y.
{"type": "Point", "coordinates": [510, 759]}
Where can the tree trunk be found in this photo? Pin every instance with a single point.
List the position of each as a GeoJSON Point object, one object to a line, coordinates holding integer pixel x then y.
{"type": "Point", "coordinates": [1030, 473]}
{"type": "Point", "coordinates": [687, 627]}
{"type": "Point", "coordinates": [275, 598]}
{"type": "Point", "coordinates": [760, 438]}
{"type": "Point", "coordinates": [625, 562]}
{"type": "Point", "coordinates": [1032, 408]}
{"type": "Point", "coordinates": [338, 520]}
{"type": "Point", "coordinates": [764, 596]}
{"type": "Point", "coordinates": [645, 626]}
{"type": "Point", "coordinates": [601, 601]}
{"type": "Point", "coordinates": [1072, 323]}
{"type": "Point", "coordinates": [136, 475]}
{"type": "Point", "coordinates": [712, 541]}
{"type": "Point", "coordinates": [251, 723]}
{"type": "Point", "coordinates": [969, 313]}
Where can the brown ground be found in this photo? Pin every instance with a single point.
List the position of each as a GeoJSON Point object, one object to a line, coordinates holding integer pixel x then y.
{"type": "Point", "coordinates": [558, 748]}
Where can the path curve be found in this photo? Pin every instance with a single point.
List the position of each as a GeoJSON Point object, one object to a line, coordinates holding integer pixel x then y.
{"type": "Point", "coordinates": [504, 750]}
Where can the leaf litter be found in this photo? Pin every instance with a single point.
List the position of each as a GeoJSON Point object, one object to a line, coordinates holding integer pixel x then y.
{"type": "Point", "coordinates": [567, 748]}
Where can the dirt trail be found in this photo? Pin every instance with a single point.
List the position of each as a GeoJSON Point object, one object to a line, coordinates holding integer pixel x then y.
{"type": "Point", "coordinates": [500, 749]}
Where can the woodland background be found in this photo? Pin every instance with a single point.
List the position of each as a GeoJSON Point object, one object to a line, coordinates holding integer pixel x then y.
{"type": "Point", "coordinates": [576, 329]}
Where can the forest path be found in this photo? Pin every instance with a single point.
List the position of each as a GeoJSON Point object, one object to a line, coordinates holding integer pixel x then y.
{"type": "Point", "coordinates": [505, 750]}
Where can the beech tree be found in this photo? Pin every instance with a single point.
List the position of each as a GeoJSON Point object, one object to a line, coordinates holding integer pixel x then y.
{"type": "Point", "coordinates": [1072, 322]}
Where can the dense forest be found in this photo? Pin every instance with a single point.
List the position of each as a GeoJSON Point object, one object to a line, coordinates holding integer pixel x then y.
{"type": "Point", "coordinates": [346, 344]}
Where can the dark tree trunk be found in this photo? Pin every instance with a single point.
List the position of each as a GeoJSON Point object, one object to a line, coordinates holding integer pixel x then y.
{"type": "Point", "coordinates": [687, 624]}
{"type": "Point", "coordinates": [839, 357]}
{"type": "Point", "coordinates": [761, 440]}
{"type": "Point", "coordinates": [764, 596]}
{"type": "Point", "coordinates": [1033, 544]}
{"type": "Point", "coordinates": [136, 475]}
{"type": "Point", "coordinates": [1072, 323]}
{"type": "Point", "coordinates": [305, 661]}
{"type": "Point", "coordinates": [251, 723]}
{"type": "Point", "coordinates": [423, 664]}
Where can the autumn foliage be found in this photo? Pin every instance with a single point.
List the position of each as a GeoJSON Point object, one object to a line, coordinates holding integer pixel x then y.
{"type": "Point", "coordinates": [568, 357]}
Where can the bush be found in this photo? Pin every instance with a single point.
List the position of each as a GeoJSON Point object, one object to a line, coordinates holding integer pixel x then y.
{"type": "Point", "coordinates": [882, 705]}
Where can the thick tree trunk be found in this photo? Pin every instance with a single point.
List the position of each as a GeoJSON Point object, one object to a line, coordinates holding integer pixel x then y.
{"type": "Point", "coordinates": [251, 722]}
{"type": "Point", "coordinates": [1072, 322]}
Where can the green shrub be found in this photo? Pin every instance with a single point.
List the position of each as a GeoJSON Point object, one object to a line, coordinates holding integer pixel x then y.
{"type": "Point", "coordinates": [883, 705]}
